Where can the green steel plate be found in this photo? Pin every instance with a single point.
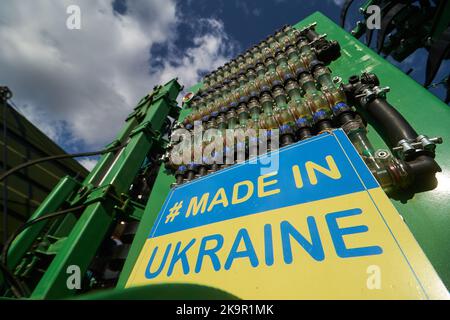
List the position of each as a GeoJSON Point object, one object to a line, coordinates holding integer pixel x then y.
{"type": "Point", "coordinates": [427, 214]}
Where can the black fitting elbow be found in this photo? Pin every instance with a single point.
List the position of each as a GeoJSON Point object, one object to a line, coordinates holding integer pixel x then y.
{"type": "Point", "coordinates": [326, 50]}
{"type": "Point", "coordinates": [416, 152]}
{"type": "Point", "coordinates": [423, 166]}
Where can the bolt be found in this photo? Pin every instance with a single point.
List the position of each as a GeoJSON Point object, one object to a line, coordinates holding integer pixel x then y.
{"type": "Point", "coordinates": [382, 154]}
{"type": "Point", "coordinates": [337, 80]}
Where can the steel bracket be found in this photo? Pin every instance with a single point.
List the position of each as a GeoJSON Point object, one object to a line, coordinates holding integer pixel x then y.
{"type": "Point", "coordinates": [101, 194]}
{"type": "Point", "coordinates": [129, 208]}
{"type": "Point", "coordinates": [147, 129]}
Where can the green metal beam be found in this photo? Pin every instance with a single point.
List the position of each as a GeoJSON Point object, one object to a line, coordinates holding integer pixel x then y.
{"type": "Point", "coordinates": [54, 200]}
{"type": "Point", "coordinates": [112, 176]}
{"type": "Point", "coordinates": [157, 197]}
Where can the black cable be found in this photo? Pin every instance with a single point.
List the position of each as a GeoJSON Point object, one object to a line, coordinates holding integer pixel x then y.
{"type": "Point", "coordinates": [345, 8]}
{"type": "Point", "coordinates": [17, 288]}
{"type": "Point", "coordinates": [57, 157]}
{"type": "Point", "coordinates": [9, 276]}
{"type": "Point", "coordinates": [31, 222]}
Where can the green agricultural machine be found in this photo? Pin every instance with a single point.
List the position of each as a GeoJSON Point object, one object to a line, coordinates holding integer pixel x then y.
{"type": "Point", "coordinates": [339, 191]}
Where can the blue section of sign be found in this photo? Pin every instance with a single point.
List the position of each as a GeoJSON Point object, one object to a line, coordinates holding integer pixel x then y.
{"type": "Point", "coordinates": [354, 177]}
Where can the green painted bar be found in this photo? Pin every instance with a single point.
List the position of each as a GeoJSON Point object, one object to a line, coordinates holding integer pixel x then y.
{"type": "Point", "coordinates": [88, 233]}
{"type": "Point", "coordinates": [53, 201]}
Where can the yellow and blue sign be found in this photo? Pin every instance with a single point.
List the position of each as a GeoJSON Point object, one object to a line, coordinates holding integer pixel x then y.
{"type": "Point", "coordinates": [317, 227]}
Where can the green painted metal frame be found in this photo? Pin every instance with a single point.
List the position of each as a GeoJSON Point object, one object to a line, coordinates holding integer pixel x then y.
{"type": "Point", "coordinates": [158, 195]}
{"type": "Point", "coordinates": [62, 191]}
{"type": "Point", "coordinates": [100, 192]}
{"type": "Point", "coordinates": [427, 214]}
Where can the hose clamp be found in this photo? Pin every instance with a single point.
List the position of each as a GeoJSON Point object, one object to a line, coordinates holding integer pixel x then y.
{"type": "Point", "coordinates": [371, 93]}
{"type": "Point", "coordinates": [405, 148]}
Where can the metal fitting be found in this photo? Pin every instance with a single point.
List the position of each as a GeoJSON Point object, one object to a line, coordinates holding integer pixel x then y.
{"type": "Point", "coordinates": [428, 144]}
{"type": "Point", "coordinates": [422, 143]}
{"type": "Point", "coordinates": [405, 148]}
{"type": "Point", "coordinates": [353, 125]}
{"type": "Point", "coordinates": [320, 37]}
{"type": "Point", "coordinates": [311, 26]}
{"type": "Point", "coordinates": [369, 94]}
{"type": "Point", "coordinates": [337, 80]}
{"type": "Point", "coordinates": [382, 154]}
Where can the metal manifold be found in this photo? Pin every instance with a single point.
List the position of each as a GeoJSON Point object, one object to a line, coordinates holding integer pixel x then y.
{"type": "Point", "coordinates": [284, 86]}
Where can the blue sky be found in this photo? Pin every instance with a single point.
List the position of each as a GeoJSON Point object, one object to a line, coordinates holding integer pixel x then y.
{"type": "Point", "coordinates": [78, 86]}
{"type": "Point", "coordinates": [249, 21]}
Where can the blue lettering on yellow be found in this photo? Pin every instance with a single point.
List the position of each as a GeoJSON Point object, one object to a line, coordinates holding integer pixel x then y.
{"type": "Point", "coordinates": [315, 248]}
{"type": "Point", "coordinates": [249, 251]}
{"type": "Point", "coordinates": [212, 246]}
{"type": "Point", "coordinates": [148, 273]}
{"type": "Point", "coordinates": [212, 252]}
{"type": "Point", "coordinates": [180, 255]}
{"type": "Point", "coordinates": [268, 244]}
{"type": "Point", "coordinates": [337, 234]}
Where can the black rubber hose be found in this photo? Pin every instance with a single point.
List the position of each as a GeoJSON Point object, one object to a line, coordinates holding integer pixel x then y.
{"type": "Point", "coordinates": [392, 125]}
{"type": "Point", "coordinates": [394, 128]}
{"type": "Point", "coordinates": [423, 166]}
{"type": "Point", "coordinates": [344, 11]}
{"type": "Point", "coordinates": [312, 35]}
{"type": "Point", "coordinates": [57, 157]}
{"type": "Point", "coordinates": [18, 289]}
{"type": "Point", "coordinates": [7, 245]}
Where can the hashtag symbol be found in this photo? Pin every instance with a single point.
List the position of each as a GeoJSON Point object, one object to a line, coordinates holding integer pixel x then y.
{"type": "Point", "coordinates": [174, 211]}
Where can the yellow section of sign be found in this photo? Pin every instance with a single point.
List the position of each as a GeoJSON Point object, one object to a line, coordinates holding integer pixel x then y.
{"type": "Point", "coordinates": [349, 247]}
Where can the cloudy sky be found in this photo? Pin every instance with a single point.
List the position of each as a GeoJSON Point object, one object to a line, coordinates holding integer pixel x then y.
{"type": "Point", "coordinates": [79, 85]}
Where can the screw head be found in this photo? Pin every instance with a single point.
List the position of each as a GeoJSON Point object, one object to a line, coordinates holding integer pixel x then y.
{"type": "Point", "coordinates": [382, 154]}
{"type": "Point", "coordinates": [337, 79]}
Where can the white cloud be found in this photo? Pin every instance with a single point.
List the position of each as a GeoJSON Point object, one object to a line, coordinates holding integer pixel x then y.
{"type": "Point", "coordinates": [84, 82]}
{"type": "Point", "coordinates": [53, 129]}
{"type": "Point", "coordinates": [210, 51]}
{"type": "Point", "coordinates": [88, 163]}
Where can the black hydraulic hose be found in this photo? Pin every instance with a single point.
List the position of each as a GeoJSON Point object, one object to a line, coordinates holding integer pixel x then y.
{"type": "Point", "coordinates": [17, 288]}
{"type": "Point", "coordinates": [344, 11]}
{"type": "Point", "coordinates": [423, 166]}
{"type": "Point", "coordinates": [7, 245]}
{"type": "Point", "coordinates": [394, 128]}
{"type": "Point", "coordinates": [392, 124]}
{"type": "Point", "coordinates": [58, 157]}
